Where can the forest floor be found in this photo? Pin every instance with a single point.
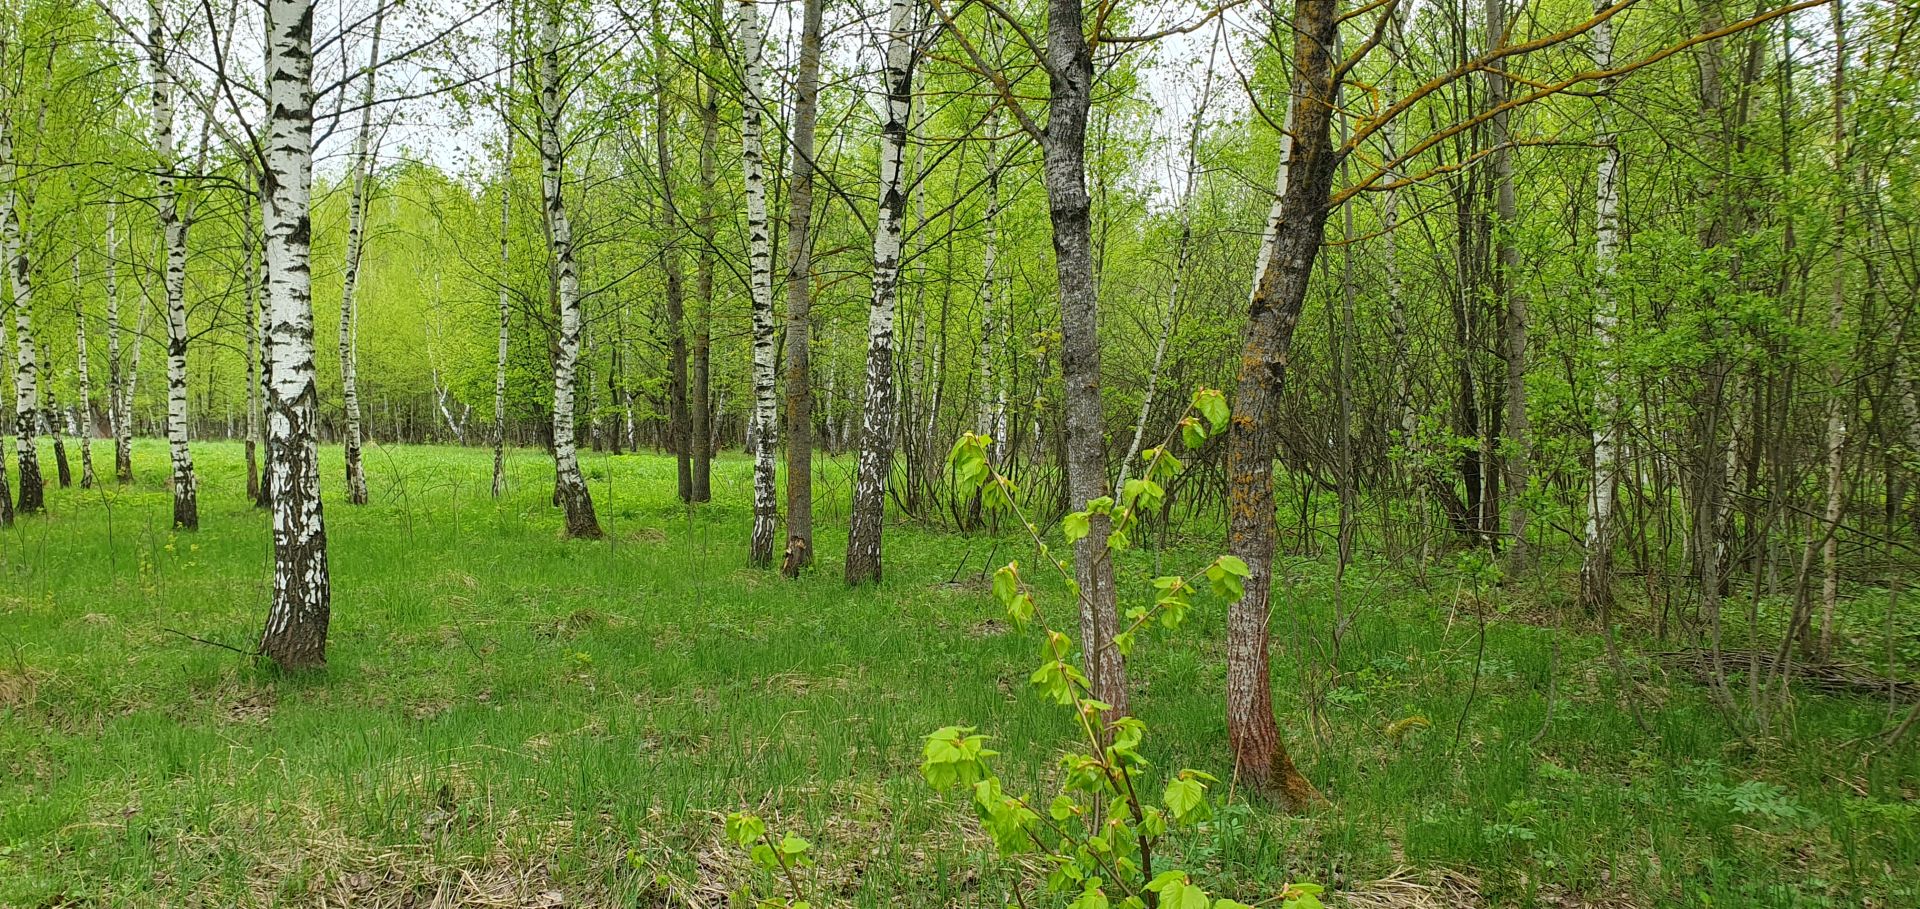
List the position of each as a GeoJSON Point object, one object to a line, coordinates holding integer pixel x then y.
{"type": "Point", "coordinates": [512, 720]}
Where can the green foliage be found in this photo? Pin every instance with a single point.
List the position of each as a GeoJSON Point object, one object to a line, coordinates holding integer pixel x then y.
{"type": "Point", "coordinates": [1084, 857]}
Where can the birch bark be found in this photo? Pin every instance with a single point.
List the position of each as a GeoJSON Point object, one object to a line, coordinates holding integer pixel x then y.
{"type": "Point", "coordinates": [358, 189]}
{"type": "Point", "coordinates": [1596, 565]}
{"type": "Point", "coordinates": [874, 462]}
{"type": "Point", "coordinates": [761, 431]}
{"type": "Point", "coordinates": [26, 388]}
{"type": "Point", "coordinates": [83, 428]}
{"type": "Point", "coordinates": [571, 485]}
{"type": "Point", "coordinates": [296, 632]}
{"type": "Point", "coordinates": [173, 228]}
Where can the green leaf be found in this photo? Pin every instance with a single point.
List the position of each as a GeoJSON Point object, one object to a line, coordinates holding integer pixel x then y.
{"type": "Point", "coordinates": [1191, 433]}
{"type": "Point", "coordinates": [1063, 807]}
{"type": "Point", "coordinates": [1075, 526]}
{"type": "Point", "coordinates": [744, 829]}
{"type": "Point", "coordinates": [1227, 576]}
{"type": "Point", "coordinates": [1091, 898]}
{"type": "Point", "coordinates": [1184, 796]}
{"type": "Point", "coordinates": [1006, 583]}
{"type": "Point", "coordinates": [1212, 405]}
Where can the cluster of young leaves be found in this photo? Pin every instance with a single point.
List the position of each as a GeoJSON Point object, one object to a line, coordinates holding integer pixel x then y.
{"type": "Point", "coordinates": [785, 857]}
{"type": "Point", "coordinates": [1098, 834]}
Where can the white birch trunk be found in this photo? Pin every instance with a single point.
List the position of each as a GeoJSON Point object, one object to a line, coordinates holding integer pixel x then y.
{"type": "Point", "coordinates": [761, 431]}
{"type": "Point", "coordinates": [119, 391]}
{"type": "Point", "coordinates": [26, 387]}
{"type": "Point", "coordinates": [1271, 234]}
{"type": "Point", "coordinates": [874, 461]}
{"type": "Point", "coordinates": [186, 507]}
{"type": "Point", "coordinates": [1596, 569]}
{"type": "Point", "coordinates": [571, 485]}
{"type": "Point", "coordinates": [83, 423]}
{"type": "Point", "coordinates": [296, 632]}
{"type": "Point", "coordinates": [358, 190]}
{"type": "Point", "coordinates": [505, 318]}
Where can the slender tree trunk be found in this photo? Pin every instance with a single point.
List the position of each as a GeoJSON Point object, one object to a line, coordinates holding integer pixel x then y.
{"type": "Point", "coordinates": [700, 395]}
{"type": "Point", "coordinates": [1596, 565]}
{"type": "Point", "coordinates": [186, 498]}
{"type": "Point", "coordinates": [358, 189]}
{"type": "Point", "coordinates": [83, 428]}
{"type": "Point", "coordinates": [571, 485]}
{"type": "Point", "coordinates": [1069, 65]}
{"type": "Point", "coordinates": [679, 432]}
{"type": "Point", "coordinates": [26, 389]}
{"type": "Point", "coordinates": [504, 314]}
{"type": "Point", "coordinates": [250, 247]}
{"type": "Point", "coordinates": [1505, 272]}
{"type": "Point", "coordinates": [296, 633]}
{"type": "Point", "coordinates": [1278, 299]}
{"type": "Point", "coordinates": [874, 462]}
{"type": "Point", "coordinates": [1182, 248]}
{"type": "Point", "coordinates": [799, 391]}
{"type": "Point", "coordinates": [1837, 385]}
{"type": "Point", "coordinates": [761, 430]}
{"type": "Point", "coordinates": [119, 395]}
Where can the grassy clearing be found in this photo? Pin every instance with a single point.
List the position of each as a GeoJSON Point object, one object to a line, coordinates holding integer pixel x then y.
{"type": "Point", "coordinates": [513, 720]}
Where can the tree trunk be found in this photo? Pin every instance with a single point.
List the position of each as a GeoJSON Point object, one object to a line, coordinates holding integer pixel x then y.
{"type": "Point", "coordinates": [1182, 249]}
{"type": "Point", "coordinates": [296, 633]}
{"type": "Point", "coordinates": [1274, 313]}
{"type": "Point", "coordinates": [875, 459]}
{"type": "Point", "coordinates": [119, 394]}
{"type": "Point", "coordinates": [250, 247]}
{"type": "Point", "coordinates": [505, 313]}
{"type": "Point", "coordinates": [1837, 386]}
{"type": "Point", "coordinates": [700, 395]}
{"type": "Point", "coordinates": [1069, 65]}
{"type": "Point", "coordinates": [358, 189]}
{"type": "Point", "coordinates": [799, 391]}
{"type": "Point", "coordinates": [761, 431]}
{"type": "Point", "coordinates": [1505, 272]}
{"type": "Point", "coordinates": [570, 484]}
{"type": "Point", "coordinates": [186, 499]}
{"type": "Point", "coordinates": [83, 426]}
{"type": "Point", "coordinates": [26, 389]}
{"type": "Point", "coordinates": [679, 432]}
{"type": "Point", "coordinates": [1596, 565]}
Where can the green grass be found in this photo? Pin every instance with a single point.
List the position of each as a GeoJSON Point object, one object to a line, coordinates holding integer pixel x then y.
{"type": "Point", "coordinates": [507, 716]}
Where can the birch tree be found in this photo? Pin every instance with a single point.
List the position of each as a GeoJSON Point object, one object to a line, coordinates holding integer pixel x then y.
{"type": "Point", "coordinates": [359, 182]}
{"type": "Point", "coordinates": [119, 403]}
{"type": "Point", "coordinates": [1596, 564]}
{"type": "Point", "coordinates": [186, 504]}
{"type": "Point", "coordinates": [571, 485]}
{"type": "Point", "coordinates": [83, 427]}
{"type": "Point", "coordinates": [26, 388]}
{"type": "Point", "coordinates": [761, 430]}
{"type": "Point", "coordinates": [296, 632]}
{"type": "Point", "coordinates": [875, 458]}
